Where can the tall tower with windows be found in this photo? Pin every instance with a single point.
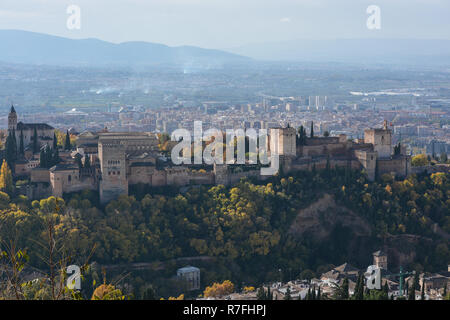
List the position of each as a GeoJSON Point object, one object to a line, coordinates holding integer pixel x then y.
{"type": "Point", "coordinates": [12, 119]}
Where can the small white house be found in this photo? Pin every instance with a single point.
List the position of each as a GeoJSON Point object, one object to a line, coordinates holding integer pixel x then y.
{"type": "Point", "coordinates": [191, 276]}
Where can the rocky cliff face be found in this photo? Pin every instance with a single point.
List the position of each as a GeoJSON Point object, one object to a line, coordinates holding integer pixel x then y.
{"type": "Point", "coordinates": [320, 218]}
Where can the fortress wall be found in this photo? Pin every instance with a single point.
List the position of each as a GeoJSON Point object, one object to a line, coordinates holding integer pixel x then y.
{"type": "Point", "coordinates": [177, 176]}
{"type": "Point", "coordinates": [40, 175]}
{"type": "Point", "coordinates": [85, 184]}
{"type": "Point", "coordinates": [141, 175]}
{"type": "Point", "coordinates": [323, 149]}
{"type": "Point", "coordinates": [320, 141]}
{"type": "Point", "coordinates": [159, 178]}
{"type": "Point", "coordinates": [397, 165]}
{"type": "Point", "coordinates": [236, 177]}
{"type": "Point", "coordinates": [37, 191]}
{"type": "Point", "coordinates": [201, 177]}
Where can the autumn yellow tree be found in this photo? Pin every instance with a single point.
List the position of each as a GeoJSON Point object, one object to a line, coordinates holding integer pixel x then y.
{"type": "Point", "coordinates": [6, 182]}
{"type": "Point", "coordinates": [419, 160]}
{"type": "Point", "coordinates": [219, 289]}
{"type": "Point", "coordinates": [107, 292]}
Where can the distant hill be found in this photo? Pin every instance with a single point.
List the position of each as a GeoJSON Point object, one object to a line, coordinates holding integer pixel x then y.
{"type": "Point", "coordinates": [389, 51]}
{"type": "Point", "coordinates": [36, 48]}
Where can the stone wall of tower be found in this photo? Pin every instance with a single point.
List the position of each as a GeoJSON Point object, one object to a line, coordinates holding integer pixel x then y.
{"type": "Point", "coordinates": [68, 181]}
{"type": "Point", "coordinates": [113, 181]}
{"type": "Point", "coordinates": [368, 160]}
{"type": "Point", "coordinates": [399, 166]}
{"type": "Point", "coordinates": [381, 139]}
{"type": "Point", "coordinates": [287, 139]}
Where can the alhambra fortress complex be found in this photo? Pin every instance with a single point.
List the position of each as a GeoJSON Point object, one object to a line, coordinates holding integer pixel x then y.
{"type": "Point", "coordinates": [119, 160]}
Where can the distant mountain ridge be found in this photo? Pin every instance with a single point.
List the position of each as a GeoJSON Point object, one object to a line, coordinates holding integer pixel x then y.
{"type": "Point", "coordinates": [36, 48]}
{"type": "Point", "coordinates": [376, 50]}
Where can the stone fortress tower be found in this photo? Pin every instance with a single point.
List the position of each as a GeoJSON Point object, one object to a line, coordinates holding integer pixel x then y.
{"type": "Point", "coordinates": [113, 181]}
{"type": "Point", "coordinates": [287, 143]}
{"type": "Point", "coordinates": [12, 119]}
{"type": "Point", "coordinates": [381, 139]}
{"type": "Point", "coordinates": [380, 259]}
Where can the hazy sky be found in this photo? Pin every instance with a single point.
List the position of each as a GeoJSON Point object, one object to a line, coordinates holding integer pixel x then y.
{"type": "Point", "coordinates": [228, 23]}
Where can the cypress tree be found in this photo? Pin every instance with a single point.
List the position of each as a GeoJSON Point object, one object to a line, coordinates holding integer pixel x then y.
{"type": "Point", "coordinates": [260, 295]}
{"type": "Point", "coordinates": [288, 294]}
{"type": "Point", "coordinates": [345, 294]}
{"type": "Point", "coordinates": [78, 161]}
{"type": "Point", "coordinates": [87, 161]}
{"type": "Point", "coordinates": [56, 156]}
{"type": "Point", "coordinates": [43, 159]}
{"type": "Point", "coordinates": [312, 129]}
{"type": "Point", "coordinates": [14, 142]}
{"type": "Point", "coordinates": [411, 293]}
{"type": "Point", "coordinates": [67, 145]}
{"type": "Point", "coordinates": [302, 136]}
{"type": "Point", "coordinates": [55, 141]}
{"type": "Point", "coordinates": [359, 289]}
{"type": "Point", "coordinates": [422, 295]}
{"type": "Point", "coordinates": [386, 290]}
{"type": "Point", "coordinates": [10, 150]}
{"type": "Point", "coordinates": [35, 141]}
{"type": "Point", "coordinates": [48, 156]}
{"type": "Point", "coordinates": [21, 145]}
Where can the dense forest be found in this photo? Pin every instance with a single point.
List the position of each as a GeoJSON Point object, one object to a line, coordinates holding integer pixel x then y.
{"type": "Point", "coordinates": [243, 232]}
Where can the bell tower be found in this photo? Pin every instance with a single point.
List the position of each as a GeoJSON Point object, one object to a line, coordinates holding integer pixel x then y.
{"type": "Point", "coordinates": [12, 119]}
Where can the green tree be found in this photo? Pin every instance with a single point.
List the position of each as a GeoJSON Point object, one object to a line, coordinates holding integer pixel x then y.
{"type": "Point", "coordinates": [420, 160]}
{"type": "Point", "coordinates": [312, 130]}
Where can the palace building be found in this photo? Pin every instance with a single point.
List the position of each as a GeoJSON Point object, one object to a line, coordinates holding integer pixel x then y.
{"type": "Point", "coordinates": [117, 161]}
{"type": "Point", "coordinates": [43, 131]}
